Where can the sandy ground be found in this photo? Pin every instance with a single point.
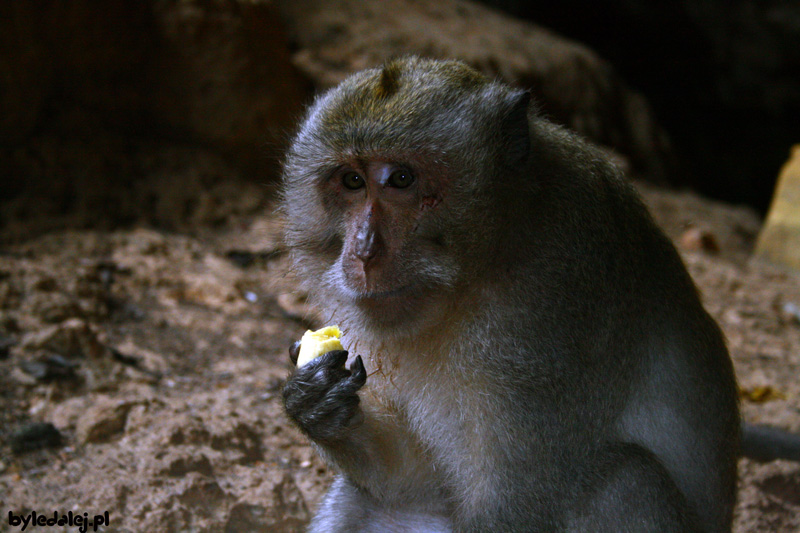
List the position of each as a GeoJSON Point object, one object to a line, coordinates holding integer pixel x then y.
{"type": "Point", "coordinates": [159, 359]}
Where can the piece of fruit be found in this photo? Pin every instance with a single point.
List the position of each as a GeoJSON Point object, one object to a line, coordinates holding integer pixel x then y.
{"type": "Point", "coordinates": [315, 343]}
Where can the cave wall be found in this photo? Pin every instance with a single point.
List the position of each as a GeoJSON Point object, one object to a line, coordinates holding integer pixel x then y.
{"type": "Point", "coordinates": [723, 78]}
{"type": "Point", "coordinates": [164, 112]}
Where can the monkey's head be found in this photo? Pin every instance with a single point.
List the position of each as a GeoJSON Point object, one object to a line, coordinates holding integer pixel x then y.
{"type": "Point", "coordinates": [390, 186]}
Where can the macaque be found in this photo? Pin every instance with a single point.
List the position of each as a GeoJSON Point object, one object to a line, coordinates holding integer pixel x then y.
{"type": "Point", "coordinates": [527, 352]}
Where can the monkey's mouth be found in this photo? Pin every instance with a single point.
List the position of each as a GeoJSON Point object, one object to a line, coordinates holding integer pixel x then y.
{"type": "Point", "coordinates": [373, 296]}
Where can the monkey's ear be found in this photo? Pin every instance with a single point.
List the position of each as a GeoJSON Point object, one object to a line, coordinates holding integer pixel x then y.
{"type": "Point", "coordinates": [515, 125]}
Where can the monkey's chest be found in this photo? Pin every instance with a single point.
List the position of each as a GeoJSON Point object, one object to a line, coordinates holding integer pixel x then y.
{"type": "Point", "coordinates": [456, 436]}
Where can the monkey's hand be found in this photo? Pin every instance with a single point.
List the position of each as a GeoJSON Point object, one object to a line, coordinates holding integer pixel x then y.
{"type": "Point", "coordinates": [321, 396]}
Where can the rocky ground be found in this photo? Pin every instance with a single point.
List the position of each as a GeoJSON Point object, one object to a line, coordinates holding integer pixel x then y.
{"type": "Point", "coordinates": [157, 360]}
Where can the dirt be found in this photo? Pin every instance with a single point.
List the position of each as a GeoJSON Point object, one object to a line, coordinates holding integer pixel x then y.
{"type": "Point", "coordinates": [159, 359]}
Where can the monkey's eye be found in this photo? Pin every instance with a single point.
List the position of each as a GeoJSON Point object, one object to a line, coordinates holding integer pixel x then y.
{"type": "Point", "coordinates": [401, 179]}
{"type": "Point", "coordinates": [352, 181]}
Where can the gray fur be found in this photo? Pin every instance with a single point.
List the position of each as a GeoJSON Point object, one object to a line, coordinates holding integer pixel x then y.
{"type": "Point", "coordinates": [554, 369]}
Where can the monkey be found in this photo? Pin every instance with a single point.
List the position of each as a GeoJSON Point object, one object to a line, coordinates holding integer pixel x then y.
{"type": "Point", "coordinates": [524, 349]}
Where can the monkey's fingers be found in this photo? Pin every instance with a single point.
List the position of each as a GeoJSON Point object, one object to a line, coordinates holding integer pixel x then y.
{"type": "Point", "coordinates": [333, 417]}
{"type": "Point", "coordinates": [333, 359]}
{"type": "Point", "coordinates": [318, 375]}
{"type": "Point", "coordinates": [354, 380]}
{"type": "Point", "coordinates": [294, 352]}
{"type": "Point", "coordinates": [311, 387]}
{"type": "Point", "coordinates": [324, 371]}
{"type": "Point", "coordinates": [359, 376]}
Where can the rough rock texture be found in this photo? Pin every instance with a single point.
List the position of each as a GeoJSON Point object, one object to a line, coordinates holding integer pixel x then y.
{"type": "Point", "coordinates": [87, 52]}
{"type": "Point", "coordinates": [169, 418]}
{"type": "Point", "coordinates": [573, 84]}
{"type": "Point", "coordinates": [226, 74]}
{"type": "Point", "coordinates": [165, 358]}
{"type": "Point", "coordinates": [105, 106]}
{"type": "Point", "coordinates": [216, 71]}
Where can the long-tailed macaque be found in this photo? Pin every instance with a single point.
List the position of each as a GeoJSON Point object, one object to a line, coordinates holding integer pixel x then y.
{"type": "Point", "coordinates": [532, 354]}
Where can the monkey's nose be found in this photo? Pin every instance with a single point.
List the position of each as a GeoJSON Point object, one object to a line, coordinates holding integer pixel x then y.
{"type": "Point", "coordinates": [367, 244]}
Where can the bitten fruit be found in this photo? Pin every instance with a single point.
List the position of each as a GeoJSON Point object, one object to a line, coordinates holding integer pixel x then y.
{"type": "Point", "coordinates": [315, 343]}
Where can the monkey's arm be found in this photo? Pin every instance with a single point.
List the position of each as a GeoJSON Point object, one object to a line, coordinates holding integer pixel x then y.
{"type": "Point", "coordinates": [362, 439]}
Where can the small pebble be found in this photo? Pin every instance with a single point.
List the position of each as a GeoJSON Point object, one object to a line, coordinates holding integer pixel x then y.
{"type": "Point", "coordinates": [49, 368]}
{"type": "Point", "coordinates": [5, 345]}
{"type": "Point", "coordinates": [35, 436]}
{"type": "Point", "coordinates": [793, 310]}
{"type": "Point", "coordinates": [697, 239]}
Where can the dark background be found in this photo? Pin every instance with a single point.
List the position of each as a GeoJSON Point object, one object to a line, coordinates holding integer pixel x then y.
{"type": "Point", "coordinates": [722, 77]}
{"type": "Point", "coordinates": [106, 107]}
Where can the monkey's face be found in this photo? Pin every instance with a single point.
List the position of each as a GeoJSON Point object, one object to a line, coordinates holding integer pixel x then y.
{"type": "Point", "coordinates": [390, 252]}
{"type": "Point", "coordinates": [379, 246]}
{"type": "Point", "coordinates": [388, 186]}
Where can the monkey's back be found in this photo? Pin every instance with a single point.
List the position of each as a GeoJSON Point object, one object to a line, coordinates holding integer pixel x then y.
{"type": "Point", "coordinates": [613, 317]}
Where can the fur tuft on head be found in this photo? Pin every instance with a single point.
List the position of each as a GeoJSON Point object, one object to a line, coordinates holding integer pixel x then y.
{"type": "Point", "coordinates": [389, 81]}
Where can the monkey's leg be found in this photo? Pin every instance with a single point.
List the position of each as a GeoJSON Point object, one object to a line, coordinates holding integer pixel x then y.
{"type": "Point", "coordinates": [346, 508]}
{"type": "Point", "coordinates": [629, 490]}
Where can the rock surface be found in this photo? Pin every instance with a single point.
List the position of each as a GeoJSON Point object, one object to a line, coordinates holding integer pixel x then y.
{"type": "Point", "coordinates": [106, 106]}
{"type": "Point", "coordinates": [779, 240]}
